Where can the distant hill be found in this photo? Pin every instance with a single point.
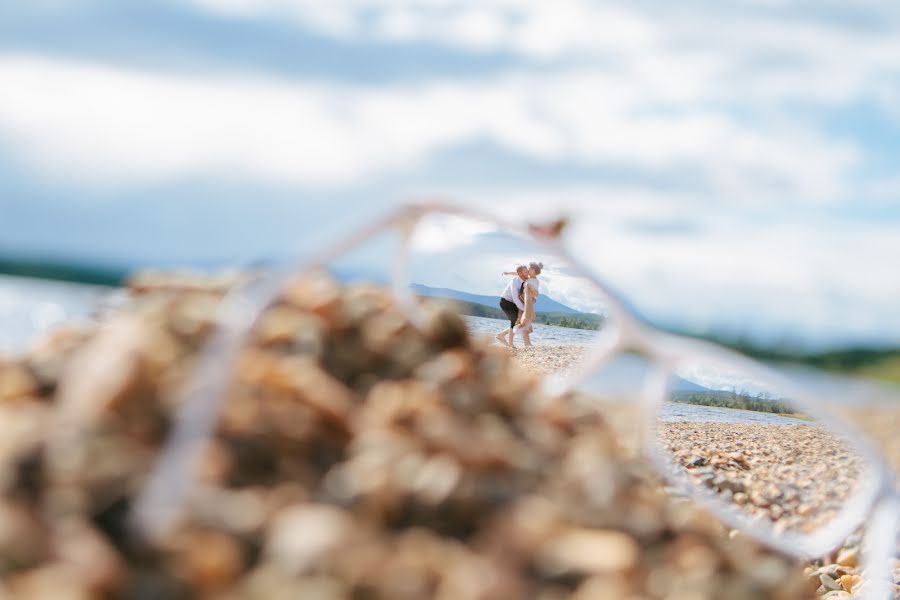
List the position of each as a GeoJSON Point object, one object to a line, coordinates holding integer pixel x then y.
{"type": "Point", "coordinates": [62, 271]}
{"type": "Point", "coordinates": [545, 304]}
{"type": "Point", "coordinates": [689, 392]}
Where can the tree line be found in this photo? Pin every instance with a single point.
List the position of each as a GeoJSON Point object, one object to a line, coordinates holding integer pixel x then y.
{"type": "Point", "coordinates": [733, 399]}
{"type": "Point", "coordinates": [574, 321]}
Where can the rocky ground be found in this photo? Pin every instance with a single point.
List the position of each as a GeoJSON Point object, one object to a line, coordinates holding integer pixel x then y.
{"type": "Point", "coordinates": [794, 476]}
{"type": "Point", "coordinates": [356, 456]}
{"type": "Point", "coordinates": [797, 477]}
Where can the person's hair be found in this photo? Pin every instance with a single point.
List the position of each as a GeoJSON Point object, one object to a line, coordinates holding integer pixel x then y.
{"type": "Point", "coordinates": [536, 267]}
{"type": "Point", "coordinates": [520, 267]}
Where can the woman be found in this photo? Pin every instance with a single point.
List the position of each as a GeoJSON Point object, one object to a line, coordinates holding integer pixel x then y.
{"type": "Point", "coordinates": [530, 291]}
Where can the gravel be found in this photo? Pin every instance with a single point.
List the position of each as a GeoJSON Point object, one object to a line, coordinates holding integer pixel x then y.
{"type": "Point", "coordinates": [357, 456]}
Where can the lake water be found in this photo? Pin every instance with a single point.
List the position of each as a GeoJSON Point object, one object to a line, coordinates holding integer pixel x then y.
{"type": "Point", "coordinates": [543, 334]}
{"type": "Point", "coordinates": [676, 412]}
{"type": "Point", "coordinates": [31, 307]}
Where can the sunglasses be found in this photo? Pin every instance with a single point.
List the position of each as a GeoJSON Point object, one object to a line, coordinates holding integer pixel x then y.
{"type": "Point", "coordinates": [764, 449]}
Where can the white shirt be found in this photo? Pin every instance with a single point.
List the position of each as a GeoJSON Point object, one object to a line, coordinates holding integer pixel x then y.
{"type": "Point", "coordinates": [511, 292]}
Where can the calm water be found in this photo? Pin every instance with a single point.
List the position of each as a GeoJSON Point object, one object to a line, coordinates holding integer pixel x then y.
{"type": "Point", "coordinates": [31, 307]}
{"type": "Point", "coordinates": [543, 334]}
{"type": "Point", "coordinates": [675, 411]}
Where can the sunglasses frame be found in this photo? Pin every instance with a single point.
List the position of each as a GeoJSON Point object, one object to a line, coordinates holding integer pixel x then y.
{"type": "Point", "coordinates": [160, 503]}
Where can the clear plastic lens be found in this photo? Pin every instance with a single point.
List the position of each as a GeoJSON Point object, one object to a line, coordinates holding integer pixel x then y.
{"type": "Point", "coordinates": [469, 264]}
{"type": "Point", "coordinates": [756, 450]}
{"type": "Point", "coordinates": [354, 318]}
{"type": "Point", "coordinates": [368, 262]}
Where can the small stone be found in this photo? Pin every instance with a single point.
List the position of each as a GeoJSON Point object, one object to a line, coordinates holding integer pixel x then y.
{"type": "Point", "coordinates": [212, 561]}
{"type": "Point", "coordinates": [589, 551]}
{"type": "Point", "coordinates": [833, 571]}
{"type": "Point", "coordinates": [828, 583]}
{"type": "Point", "coordinates": [437, 478]}
{"type": "Point", "coordinates": [302, 535]}
{"type": "Point", "coordinates": [848, 582]}
{"type": "Point", "coordinates": [733, 485]}
{"type": "Point", "coordinates": [105, 372]}
{"type": "Point", "coordinates": [90, 556]}
{"type": "Point", "coordinates": [15, 383]}
{"type": "Point", "coordinates": [848, 557]}
{"type": "Point", "coordinates": [696, 461]}
{"type": "Point", "coordinates": [52, 581]}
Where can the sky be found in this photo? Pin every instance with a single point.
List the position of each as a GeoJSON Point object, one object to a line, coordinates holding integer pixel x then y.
{"type": "Point", "coordinates": [726, 166]}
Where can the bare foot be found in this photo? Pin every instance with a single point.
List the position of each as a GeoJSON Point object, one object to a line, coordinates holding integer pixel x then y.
{"type": "Point", "coordinates": [502, 338]}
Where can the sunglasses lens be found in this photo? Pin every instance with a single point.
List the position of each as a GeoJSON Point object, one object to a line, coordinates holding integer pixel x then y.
{"type": "Point", "coordinates": [510, 289]}
{"type": "Point", "coordinates": [739, 439]}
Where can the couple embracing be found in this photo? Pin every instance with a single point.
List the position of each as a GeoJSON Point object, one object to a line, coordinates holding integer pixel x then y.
{"type": "Point", "coordinates": [517, 303]}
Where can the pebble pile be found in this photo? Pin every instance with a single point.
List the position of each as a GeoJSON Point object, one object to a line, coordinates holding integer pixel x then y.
{"type": "Point", "coordinates": [841, 573]}
{"type": "Point", "coordinates": [795, 476]}
{"type": "Point", "coordinates": [357, 456]}
{"type": "Point", "coordinates": [747, 464]}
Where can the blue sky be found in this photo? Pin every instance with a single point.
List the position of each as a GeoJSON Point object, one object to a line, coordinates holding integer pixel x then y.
{"type": "Point", "coordinates": [730, 166]}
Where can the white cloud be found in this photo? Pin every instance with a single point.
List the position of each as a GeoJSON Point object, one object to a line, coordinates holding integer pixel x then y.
{"type": "Point", "coordinates": [106, 125]}
{"type": "Point", "coordinates": [769, 52]}
{"type": "Point", "coordinates": [533, 28]}
{"type": "Point", "coordinates": [751, 272]}
{"type": "Point", "coordinates": [442, 234]}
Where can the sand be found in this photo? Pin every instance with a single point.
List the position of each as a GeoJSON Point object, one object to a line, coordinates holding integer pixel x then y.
{"type": "Point", "coordinates": [548, 359]}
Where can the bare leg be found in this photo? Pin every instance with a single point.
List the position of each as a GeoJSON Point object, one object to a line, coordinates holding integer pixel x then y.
{"type": "Point", "coordinates": [512, 337]}
{"type": "Point", "coordinates": [501, 337]}
{"type": "Point", "coordinates": [526, 335]}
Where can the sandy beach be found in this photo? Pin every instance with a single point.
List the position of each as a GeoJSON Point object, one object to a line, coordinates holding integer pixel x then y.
{"type": "Point", "coordinates": [548, 359]}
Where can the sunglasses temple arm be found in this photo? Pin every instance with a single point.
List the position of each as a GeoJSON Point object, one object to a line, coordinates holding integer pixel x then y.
{"type": "Point", "coordinates": [400, 287]}
{"type": "Point", "coordinates": [159, 504]}
{"type": "Point", "coordinates": [880, 546]}
{"type": "Point", "coordinates": [404, 216]}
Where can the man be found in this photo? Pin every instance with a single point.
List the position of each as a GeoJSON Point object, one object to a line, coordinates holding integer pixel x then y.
{"type": "Point", "coordinates": [511, 304]}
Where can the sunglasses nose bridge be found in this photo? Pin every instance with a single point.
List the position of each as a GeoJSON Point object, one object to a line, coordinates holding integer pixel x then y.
{"type": "Point", "coordinates": [636, 338]}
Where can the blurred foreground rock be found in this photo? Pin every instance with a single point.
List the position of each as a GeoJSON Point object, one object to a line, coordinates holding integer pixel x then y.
{"type": "Point", "coordinates": [356, 457]}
